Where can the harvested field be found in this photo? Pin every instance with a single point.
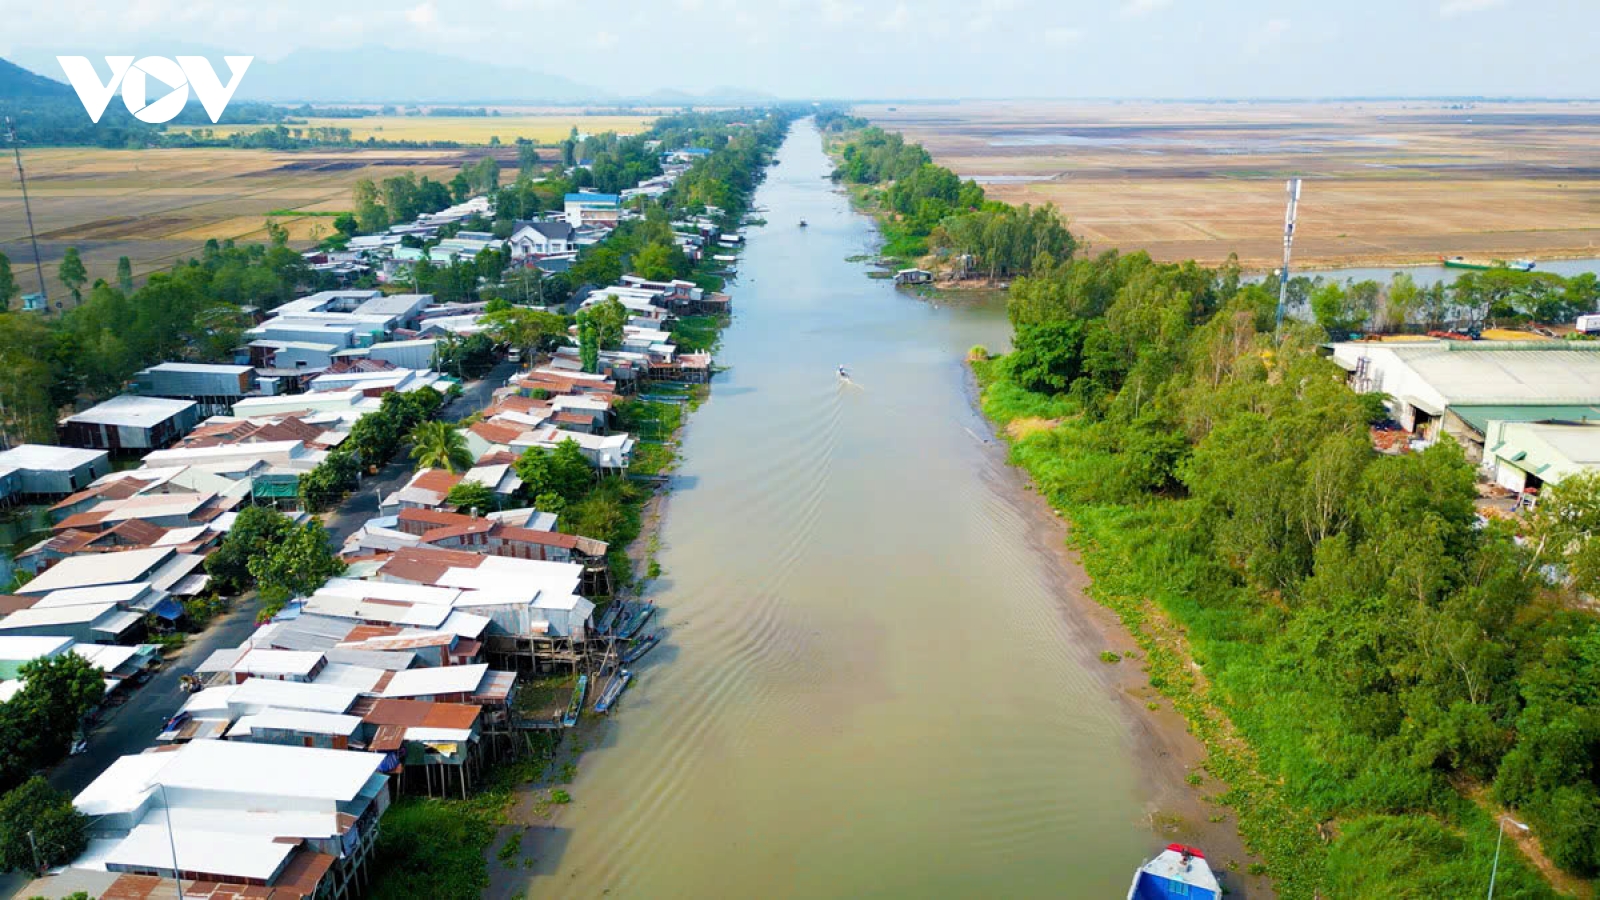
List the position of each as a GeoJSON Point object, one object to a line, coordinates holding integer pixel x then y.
{"type": "Point", "coordinates": [544, 128]}
{"type": "Point", "coordinates": [158, 207]}
{"type": "Point", "coordinates": [1386, 182]}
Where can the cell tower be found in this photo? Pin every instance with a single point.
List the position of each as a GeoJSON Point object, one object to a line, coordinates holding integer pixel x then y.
{"type": "Point", "coordinates": [1288, 244]}
{"type": "Point", "coordinates": [27, 208]}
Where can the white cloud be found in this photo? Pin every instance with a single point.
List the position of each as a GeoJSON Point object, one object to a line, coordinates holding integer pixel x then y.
{"type": "Point", "coordinates": [604, 40]}
{"type": "Point", "coordinates": [838, 12]}
{"type": "Point", "coordinates": [423, 15]}
{"type": "Point", "coordinates": [898, 19]}
{"type": "Point", "coordinates": [1061, 36]}
{"type": "Point", "coordinates": [1452, 8]}
{"type": "Point", "coordinates": [1136, 8]}
{"type": "Point", "coordinates": [1268, 34]}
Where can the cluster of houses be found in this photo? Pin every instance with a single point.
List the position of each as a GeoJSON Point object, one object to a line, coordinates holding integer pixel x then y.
{"type": "Point", "coordinates": [401, 674]}
{"type": "Point", "coordinates": [550, 243]}
{"type": "Point", "coordinates": [398, 675]}
{"type": "Point", "coordinates": [1527, 410]}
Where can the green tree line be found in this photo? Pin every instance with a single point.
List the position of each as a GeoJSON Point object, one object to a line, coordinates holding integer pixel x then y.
{"type": "Point", "coordinates": [1380, 646]}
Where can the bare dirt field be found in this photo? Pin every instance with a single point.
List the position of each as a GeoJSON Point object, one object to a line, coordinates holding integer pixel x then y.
{"type": "Point", "coordinates": [1385, 182]}
{"type": "Point", "coordinates": [158, 207]}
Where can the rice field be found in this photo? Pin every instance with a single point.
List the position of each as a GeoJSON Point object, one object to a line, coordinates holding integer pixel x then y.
{"type": "Point", "coordinates": [544, 128]}
{"type": "Point", "coordinates": [158, 207]}
{"type": "Point", "coordinates": [1385, 182]}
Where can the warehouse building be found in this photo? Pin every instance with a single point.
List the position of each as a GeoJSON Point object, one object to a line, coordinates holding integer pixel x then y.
{"type": "Point", "coordinates": [130, 423]}
{"type": "Point", "coordinates": [214, 387]}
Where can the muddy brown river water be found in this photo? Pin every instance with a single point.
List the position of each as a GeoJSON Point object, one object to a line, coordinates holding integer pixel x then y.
{"type": "Point", "coordinates": [870, 685]}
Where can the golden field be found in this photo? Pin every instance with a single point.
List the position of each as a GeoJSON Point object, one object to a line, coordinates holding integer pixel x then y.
{"type": "Point", "coordinates": [158, 207]}
{"type": "Point", "coordinates": [544, 128]}
{"type": "Point", "coordinates": [1385, 182]}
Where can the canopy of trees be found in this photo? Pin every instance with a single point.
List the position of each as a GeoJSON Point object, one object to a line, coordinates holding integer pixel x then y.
{"type": "Point", "coordinates": [1374, 640]}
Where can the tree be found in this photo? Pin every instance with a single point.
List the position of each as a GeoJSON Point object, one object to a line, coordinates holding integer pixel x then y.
{"type": "Point", "coordinates": [124, 274]}
{"type": "Point", "coordinates": [608, 316]}
{"type": "Point", "coordinates": [658, 262]}
{"type": "Point", "coordinates": [1564, 531]}
{"type": "Point", "coordinates": [525, 329]}
{"type": "Point", "coordinates": [469, 495]}
{"type": "Point", "coordinates": [324, 486]}
{"type": "Point", "coordinates": [72, 273]}
{"type": "Point", "coordinates": [295, 567]}
{"type": "Point", "coordinates": [8, 284]}
{"type": "Point", "coordinates": [563, 472]}
{"type": "Point", "coordinates": [254, 533]}
{"type": "Point", "coordinates": [58, 691]}
{"type": "Point", "coordinates": [40, 828]}
{"type": "Point", "coordinates": [440, 445]}
{"type": "Point", "coordinates": [375, 436]}
{"type": "Point", "coordinates": [1048, 358]}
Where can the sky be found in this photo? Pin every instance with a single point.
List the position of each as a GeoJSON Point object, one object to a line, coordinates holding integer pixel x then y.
{"type": "Point", "coordinates": [902, 49]}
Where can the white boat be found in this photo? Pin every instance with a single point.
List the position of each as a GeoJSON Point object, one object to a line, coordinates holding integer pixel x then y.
{"type": "Point", "coordinates": [1178, 871]}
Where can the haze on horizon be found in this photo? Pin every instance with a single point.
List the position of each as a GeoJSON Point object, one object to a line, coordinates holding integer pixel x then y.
{"type": "Point", "coordinates": [899, 48]}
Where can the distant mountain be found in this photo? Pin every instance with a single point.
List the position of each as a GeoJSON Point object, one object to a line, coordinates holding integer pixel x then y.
{"type": "Point", "coordinates": [363, 75]}
{"type": "Point", "coordinates": [15, 81]}
{"type": "Point", "coordinates": [383, 75]}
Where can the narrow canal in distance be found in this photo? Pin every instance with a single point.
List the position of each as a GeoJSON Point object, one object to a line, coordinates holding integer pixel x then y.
{"type": "Point", "coordinates": [869, 686]}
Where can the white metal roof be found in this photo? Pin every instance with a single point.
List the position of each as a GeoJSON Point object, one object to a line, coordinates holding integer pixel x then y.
{"type": "Point", "coordinates": [42, 457]}
{"type": "Point", "coordinates": [203, 368]}
{"type": "Point", "coordinates": [431, 682]}
{"type": "Point", "coordinates": [272, 769]}
{"type": "Point", "coordinates": [132, 411]}
{"type": "Point", "coordinates": [262, 693]}
{"type": "Point", "coordinates": [252, 857]}
{"type": "Point", "coordinates": [34, 617]}
{"type": "Point", "coordinates": [127, 592]}
{"type": "Point", "coordinates": [295, 720]}
{"type": "Point", "coordinates": [98, 568]}
{"type": "Point", "coordinates": [25, 649]}
{"type": "Point", "coordinates": [277, 662]}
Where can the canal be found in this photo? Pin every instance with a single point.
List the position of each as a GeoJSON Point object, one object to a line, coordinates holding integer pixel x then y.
{"type": "Point", "coordinates": [871, 684]}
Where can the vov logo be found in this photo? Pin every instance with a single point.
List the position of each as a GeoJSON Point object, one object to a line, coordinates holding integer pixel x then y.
{"type": "Point", "coordinates": [172, 81]}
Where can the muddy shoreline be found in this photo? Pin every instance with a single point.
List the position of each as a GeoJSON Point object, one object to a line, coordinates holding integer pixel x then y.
{"type": "Point", "coordinates": [1159, 739]}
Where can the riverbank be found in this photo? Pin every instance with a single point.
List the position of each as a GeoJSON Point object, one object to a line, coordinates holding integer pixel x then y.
{"type": "Point", "coordinates": [1184, 796]}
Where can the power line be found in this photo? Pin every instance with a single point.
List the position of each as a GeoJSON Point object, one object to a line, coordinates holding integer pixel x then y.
{"type": "Point", "coordinates": [27, 209]}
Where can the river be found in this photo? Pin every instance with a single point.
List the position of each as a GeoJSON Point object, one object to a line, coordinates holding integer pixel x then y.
{"type": "Point", "coordinates": [870, 685]}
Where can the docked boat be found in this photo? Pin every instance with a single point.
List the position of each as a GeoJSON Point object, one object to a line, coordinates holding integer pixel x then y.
{"type": "Point", "coordinates": [631, 627]}
{"type": "Point", "coordinates": [1178, 871]}
{"type": "Point", "coordinates": [802, 223]}
{"type": "Point", "coordinates": [1462, 262]}
{"type": "Point", "coordinates": [576, 706]}
{"type": "Point", "coordinates": [610, 618]}
{"type": "Point", "coordinates": [614, 688]}
{"type": "Point", "coordinates": [637, 651]}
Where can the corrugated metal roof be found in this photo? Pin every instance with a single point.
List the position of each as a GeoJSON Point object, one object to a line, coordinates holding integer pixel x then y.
{"type": "Point", "coordinates": [1479, 416]}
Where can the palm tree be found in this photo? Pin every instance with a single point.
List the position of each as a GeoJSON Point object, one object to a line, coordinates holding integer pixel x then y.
{"type": "Point", "coordinates": [440, 445]}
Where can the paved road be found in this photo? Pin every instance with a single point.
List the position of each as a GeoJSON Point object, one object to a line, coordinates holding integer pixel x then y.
{"type": "Point", "coordinates": [475, 395]}
{"type": "Point", "coordinates": [133, 726]}
{"type": "Point", "coordinates": [363, 503]}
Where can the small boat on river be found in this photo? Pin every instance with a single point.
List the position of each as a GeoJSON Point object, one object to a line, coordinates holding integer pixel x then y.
{"type": "Point", "coordinates": [613, 690]}
{"type": "Point", "coordinates": [637, 651]}
{"type": "Point", "coordinates": [803, 223]}
{"type": "Point", "coordinates": [631, 627]}
{"type": "Point", "coordinates": [1177, 871]}
{"type": "Point", "coordinates": [1462, 262]}
{"type": "Point", "coordinates": [576, 705]}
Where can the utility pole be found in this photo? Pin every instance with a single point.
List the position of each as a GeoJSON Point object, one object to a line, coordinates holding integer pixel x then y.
{"type": "Point", "coordinates": [1288, 244]}
{"type": "Point", "coordinates": [27, 208]}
